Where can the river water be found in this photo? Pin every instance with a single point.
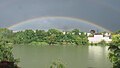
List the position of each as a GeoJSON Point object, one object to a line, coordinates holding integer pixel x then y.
{"type": "Point", "coordinates": [72, 57]}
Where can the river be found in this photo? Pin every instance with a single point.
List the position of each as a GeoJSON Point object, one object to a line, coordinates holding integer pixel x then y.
{"type": "Point", "coordinates": [72, 57]}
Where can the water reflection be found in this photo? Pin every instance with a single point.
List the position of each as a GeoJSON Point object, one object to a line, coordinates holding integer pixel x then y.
{"type": "Point", "coordinates": [95, 52]}
{"type": "Point", "coordinates": [97, 56]}
{"type": "Point", "coordinates": [73, 57]}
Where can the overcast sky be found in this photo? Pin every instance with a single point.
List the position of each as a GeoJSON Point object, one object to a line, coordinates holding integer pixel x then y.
{"type": "Point", "coordinates": [105, 13]}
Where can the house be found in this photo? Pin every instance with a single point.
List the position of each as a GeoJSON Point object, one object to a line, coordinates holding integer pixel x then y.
{"type": "Point", "coordinates": [96, 38]}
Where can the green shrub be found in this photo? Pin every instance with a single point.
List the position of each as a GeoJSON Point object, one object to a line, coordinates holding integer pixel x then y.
{"type": "Point", "coordinates": [57, 64]}
{"type": "Point", "coordinates": [114, 55]}
{"type": "Point", "coordinates": [6, 56]}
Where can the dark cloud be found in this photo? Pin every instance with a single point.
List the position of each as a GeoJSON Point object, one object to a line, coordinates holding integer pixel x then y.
{"type": "Point", "coordinates": [105, 13]}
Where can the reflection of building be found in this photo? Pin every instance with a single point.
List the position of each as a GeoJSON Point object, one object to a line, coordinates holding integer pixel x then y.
{"type": "Point", "coordinates": [96, 38]}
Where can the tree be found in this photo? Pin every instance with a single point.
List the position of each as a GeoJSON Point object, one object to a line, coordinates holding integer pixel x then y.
{"type": "Point", "coordinates": [26, 36]}
{"type": "Point", "coordinates": [29, 36]}
{"type": "Point", "coordinates": [6, 35]}
{"type": "Point", "coordinates": [51, 39]}
{"type": "Point", "coordinates": [92, 31]}
{"type": "Point", "coordinates": [6, 56]}
{"type": "Point", "coordinates": [18, 37]}
{"type": "Point", "coordinates": [117, 32]}
{"type": "Point", "coordinates": [84, 38]}
{"type": "Point", "coordinates": [114, 51]}
{"type": "Point", "coordinates": [75, 32]}
{"type": "Point", "coordinates": [67, 38]}
{"type": "Point", "coordinates": [5, 52]}
{"type": "Point", "coordinates": [53, 36]}
{"type": "Point", "coordinates": [116, 39]}
{"type": "Point", "coordinates": [54, 31]}
{"type": "Point", "coordinates": [40, 36]}
{"type": "Point", "coordinates": [77, 40]}
{"type": "Point", "coordinates": [114, 55]}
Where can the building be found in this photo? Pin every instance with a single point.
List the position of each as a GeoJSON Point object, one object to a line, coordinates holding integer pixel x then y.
{"type": "Point", "coordinates": [96, 38]}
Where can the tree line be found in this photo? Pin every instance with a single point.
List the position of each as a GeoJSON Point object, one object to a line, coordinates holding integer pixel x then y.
{"type": "Point", "coordinates": [50, 37]}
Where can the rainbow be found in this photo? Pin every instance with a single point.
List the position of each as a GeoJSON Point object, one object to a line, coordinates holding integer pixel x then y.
{"type": "Point", "coordinates": [57, 17]}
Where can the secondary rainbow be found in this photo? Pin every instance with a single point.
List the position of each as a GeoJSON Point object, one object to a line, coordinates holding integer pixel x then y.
{"type": "Point", "coordinates": [57, 17]}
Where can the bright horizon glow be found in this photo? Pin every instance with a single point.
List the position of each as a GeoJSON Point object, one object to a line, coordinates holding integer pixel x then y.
{"type": "Point", "coordinates": [57, 17]}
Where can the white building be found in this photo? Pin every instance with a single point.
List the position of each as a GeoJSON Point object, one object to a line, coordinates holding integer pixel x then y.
{"type": "Point", "coordinates": [99, 38]}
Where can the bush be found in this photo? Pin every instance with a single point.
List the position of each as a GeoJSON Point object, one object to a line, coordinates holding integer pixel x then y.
{"type": "Point", "coordinates": [114, 55]}
{"type": "Point", "coordinates": [57, 64]}
{"type": "Point", "coordinates": [6, 56]}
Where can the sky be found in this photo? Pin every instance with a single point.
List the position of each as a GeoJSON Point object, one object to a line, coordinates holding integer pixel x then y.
{"type": "Point", "coordinates": [105, 13]}
{"type": "Point", "coordinates": [60, 23]}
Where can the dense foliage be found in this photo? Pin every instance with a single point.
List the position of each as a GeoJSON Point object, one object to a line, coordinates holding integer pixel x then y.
{"type": "Point", "coordinates": [41, 37]}
{"type": "Point", "coordinates": [114, 51]}
{"type": "Point", "coordinates": [6, 35]}
{"type": "Point", "coordinates": [6, 56]}
{"type": "Point", "coordinates": [116, 39]}
{"type": "Point", "coordinates": [6, 53]}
